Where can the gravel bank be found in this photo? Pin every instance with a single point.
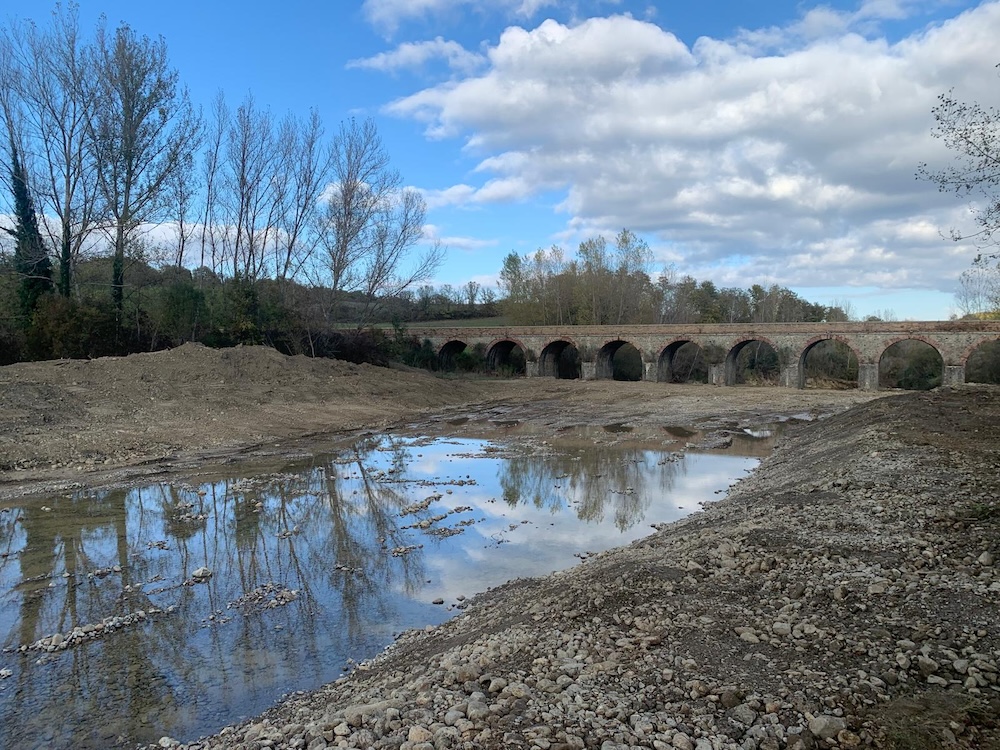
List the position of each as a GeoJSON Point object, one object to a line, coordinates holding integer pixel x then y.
{"type": "Point", "coordinates": [845, 595]}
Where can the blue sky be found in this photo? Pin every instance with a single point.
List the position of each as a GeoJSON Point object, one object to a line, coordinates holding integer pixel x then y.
{"type": "Point", "coordinates": [746, 142]}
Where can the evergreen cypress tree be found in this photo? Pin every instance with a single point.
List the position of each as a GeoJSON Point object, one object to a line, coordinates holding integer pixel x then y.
{"type": "Point", "coordinates": [31, 261]}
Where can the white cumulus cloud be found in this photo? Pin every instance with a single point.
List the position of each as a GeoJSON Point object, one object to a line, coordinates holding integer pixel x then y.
{"type": "Point", "coordinates": [387, 15]}
{"type": "Point", "coordinates": [792, 160]}
{"type": "Point", "coordinates": [414, 55]}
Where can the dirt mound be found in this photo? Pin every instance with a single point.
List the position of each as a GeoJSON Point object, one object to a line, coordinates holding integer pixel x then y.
{"type": "Point", "coordinates": [117, 410]}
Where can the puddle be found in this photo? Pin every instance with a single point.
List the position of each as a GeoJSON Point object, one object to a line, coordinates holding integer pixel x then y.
{"type": "Point", "coordinates": [679, 432]}
{"type": "Point", "coordinates": [176, 609]}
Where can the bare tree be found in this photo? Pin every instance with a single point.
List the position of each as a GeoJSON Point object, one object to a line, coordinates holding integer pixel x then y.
{"type": "Point", "coordinates": [398, 227]}
{"type": "Point", "coordinates": [182, 187]}
{"type": "Point", "coordinates": [370, 222]}
{"type": "Point", "coordinates": [631, 273]}
{"type": "Point", "coordinates": [209, 231]}
{"type": "Point", "coordinates": [593, 254]}
{"type": "Point", "coordinates": [471, 292]}
{"type": "Point", "coordinates": [979, 290]}
{"type": "Point", "coordinates": [972, 131]}
{"type": "Point", "coordinates": [141, 128]}
{"type": "Point", "coordinates": [305, 161]}
{"type": "Point", "coordinates": [249, 200]}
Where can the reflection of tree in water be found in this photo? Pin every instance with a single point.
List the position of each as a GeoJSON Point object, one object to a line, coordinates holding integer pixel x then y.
{"type": "Point", "coordinates": [144, 679]}
{"type": "Point", "coordinates": [165, 674]}
{"type": "Point", "coordinates": [597, 477]}
{"type": "Point", "coordinates": [75, 537]}
{"type": "Point", "coordinates": [365, 526]}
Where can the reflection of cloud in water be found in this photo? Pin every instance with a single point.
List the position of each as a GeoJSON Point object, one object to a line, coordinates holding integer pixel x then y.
{"type": "Point", "coordinates": [326, 527]}
{"type": "Point", "coordinates": [491, 552]}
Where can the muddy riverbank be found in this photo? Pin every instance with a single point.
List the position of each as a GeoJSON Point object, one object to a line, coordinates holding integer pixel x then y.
{"type": "Point", "coordinates": [845, 595]}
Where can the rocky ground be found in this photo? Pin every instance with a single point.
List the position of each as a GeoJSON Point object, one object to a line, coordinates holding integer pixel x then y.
{"type": "Point", "coordinates": [844, 595]}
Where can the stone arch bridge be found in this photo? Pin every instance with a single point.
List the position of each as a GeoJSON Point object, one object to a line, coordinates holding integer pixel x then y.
{"type": "Point", "coordinates": [543, 347]}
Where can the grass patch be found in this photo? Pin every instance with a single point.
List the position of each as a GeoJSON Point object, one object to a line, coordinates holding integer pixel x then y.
{"type": "Point", "coordinates": [939, 719]}
{"type": "Point", "coordinates": [985, 513]}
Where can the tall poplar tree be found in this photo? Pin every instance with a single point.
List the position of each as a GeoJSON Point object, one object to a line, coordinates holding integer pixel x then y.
{"type": "Point", "coordinates": [142, 128]}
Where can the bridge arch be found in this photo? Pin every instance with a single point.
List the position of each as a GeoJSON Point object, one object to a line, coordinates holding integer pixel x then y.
{"type": "Point", "coordinates": [980, 361]}
{"type": "Point", "coordinates": [668, 372]}
{"type": "Point", "coordinates": [732, 357]}
{"type": "Point", "coordinates": [448, 351]}
{"type": "Point", "coordinates": [811, 345]}
{"type": "Point", "coordinates": [919, 373]}
{"type": "Point", "coordinates": [507, 354]}
{"type": "Point", "coordinates": [560, 359]}
{"type": "Point", "coordinates": [609, 363]}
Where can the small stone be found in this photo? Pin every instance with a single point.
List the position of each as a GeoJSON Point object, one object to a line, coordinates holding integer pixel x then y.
{"type": "Point", "coordinates": [744, 714]}
{"type": "Point", "coordinates": [201, 574]}
{"type": "Point", "coordinates": [986, 558]}
{"type": "Point", "coordinates": [730, 698]}
{"type": "Point", "coordinates": [781, 628]}
{"type": "Point", "coordinates": [682, 742]}
{"type": "Point", "coordinates": [439, 600]}
{"type": "Point", "coordinates": [749, 637]}
{"type": "Point", "coordinates": [926, 665]}
{"type": "Point", "coordinates": [517, 690]}
{"type": "Point", "coordinates": [827, 727]}
{"type": "Point", "coordinates": [419, 734]}
{"type": "Point", "coordinates": [848, 739]}
{"type": "Point", "coordinates": [477, 711]}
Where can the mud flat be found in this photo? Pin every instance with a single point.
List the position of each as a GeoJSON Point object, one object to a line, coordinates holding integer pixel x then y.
{"type": "Point", "coordinates": [70, 424]}
{"type": "Point", "coordinates": [845, 595]}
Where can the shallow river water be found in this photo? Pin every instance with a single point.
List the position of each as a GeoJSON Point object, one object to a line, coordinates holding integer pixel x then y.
{"type": "Point", "coordinates": [173, 609]}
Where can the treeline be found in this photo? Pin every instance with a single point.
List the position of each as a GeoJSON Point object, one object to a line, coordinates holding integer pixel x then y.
{"type": "Point", "coordinates": [166, 306]}
{"type": "Point", "coordinates": [612, 283]}
{"type": "Point", "coordinates": [105, 156]}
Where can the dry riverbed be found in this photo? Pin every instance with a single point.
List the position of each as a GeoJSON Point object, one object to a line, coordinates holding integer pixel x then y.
{"type": "Point", "coordinates": [846, 594]}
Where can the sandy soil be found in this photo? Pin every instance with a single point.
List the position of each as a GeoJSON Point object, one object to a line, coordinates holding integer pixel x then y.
{"type": "Point", "coordinates": [72, 423]}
